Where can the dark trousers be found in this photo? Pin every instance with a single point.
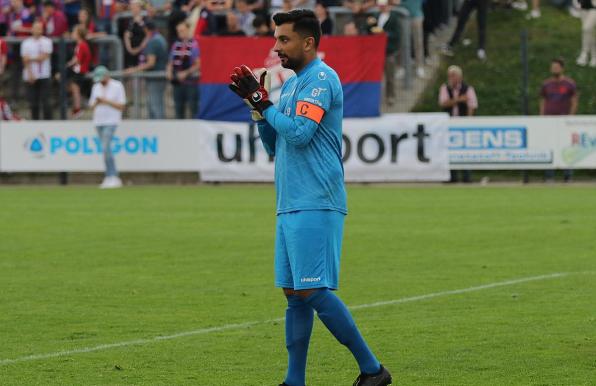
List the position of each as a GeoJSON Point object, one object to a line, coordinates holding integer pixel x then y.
{"type": "Point", "coordinates": [186, 95]}
{"type": "Point", "coordinates": [463, 16]}
{"type": "Point", "coordinates": [39, 99]}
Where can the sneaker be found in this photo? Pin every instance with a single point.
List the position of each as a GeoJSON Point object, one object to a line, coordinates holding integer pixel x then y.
{"type": "Point", "coordinates": [582, 59]}
{"type": "Point", "coordinates": [534, 14]}
{"type": "Point", "coordinates": [382, 378]}
{"type": "Point", "coordinates": [593, 61]}
{"type": "Point", "coordinates": [481, 54]}
{"type": "Point", "coordinates": [519, 5]}
{"type": "Point", "coordinates": [111, 183]}
{"type": "Point", "coordinates": [420, 73]}
{"type": "Point", "coordinates": [574, 12]}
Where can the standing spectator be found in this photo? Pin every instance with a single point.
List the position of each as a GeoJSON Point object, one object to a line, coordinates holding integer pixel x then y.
{"type": "Point", "coordinates": [105, 13]}
{"type": "Point", "coordinates": [558, 96]}
{"type": "Point", "coordinates": [154, 57]}
{"type": "Point", "coordinates": [35, 53]}
{"type": "Point", "coordinates": [322, 14]}
{"type": "Point", "coordinates": [414, 7]}
{"type": "Point", "coordinates": [54, 20]}
{"type": "Point", "coordinates": [232, 25]}
{"type": "Point", "coordinates": [466, 9]}
{"type": "Point", "coordinates": [79, 67]}
{"type": "Point", "coordinates": [458, 99]}
{"type": "Point", "coordinates": [3, 57]}
{"type": "Point", "coordinates": [20, 19]}
{"type": "Point", "coordinates": [245, 17]}
{"type": "Point", "coordinates": [588, 17]}
{"type": "Point", "coordinates": [4, 11]}
{"type": "Point", "coordinates": [107, 101]}
{"type": "Point", "coordinates": [388, 22]}
{"type": "Point", "coordinates": [261, 26]}
{"type": "Point", "coordinates": [183, 72]}
{"type": "Point", "coordinates": [71, 10]}
{"type": "Point", "coordinates": [134, 36]}
{"type": "Point", "coordinates": [86, 21]}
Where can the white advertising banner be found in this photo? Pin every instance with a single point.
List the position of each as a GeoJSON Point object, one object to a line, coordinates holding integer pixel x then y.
{"type": "Point", "coordinates": [576, 139]}
{"type": "Point", "coordinates": [56, 146]}
{"type": "Point", "coordinates": [394, 147]}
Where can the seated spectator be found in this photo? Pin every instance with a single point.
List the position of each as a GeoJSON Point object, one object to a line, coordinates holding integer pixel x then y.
{"type": "Point", "coordinates": [154, 57]}
{"type": "Point", "coordinates": [183, 72]}
{"type": "Point", "coordinates": [20, 19]}
{"type": "Point", "coordinates": [78, 68]}
{"type": "Point", "coordinates": [350, 29]}
{"type": "Point", "coordinates": [232, 25]}
{"type": "Point", "coordinates": [245, 17]}
{"type": "Point", "coordinates": [458, 99]}
{"type": "Point", "coordinates": [322, 14]}
{"type": "Point", "coordinates": [134, 36]}
{"type": "Point", "coordinates": [261, 26]}
{"type": "Point", "coordinates": [54, 20]}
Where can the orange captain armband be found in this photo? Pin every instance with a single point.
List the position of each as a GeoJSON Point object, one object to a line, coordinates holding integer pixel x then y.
{"type": "Point", "coordinates": [310, 111]}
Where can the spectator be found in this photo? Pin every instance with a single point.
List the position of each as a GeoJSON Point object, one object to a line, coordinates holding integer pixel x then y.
{"type": "Point", "coordinates": [462, 19]}
{"type": "Point", "coordinates": [206, 24]}
{"type": "Point", "coordinates": [71, 10]}
{"type": "Point", "coordinates": [232, 25]}
{"type": "Point", "coordinates": [414, 7]}
{"type": "Point", "coordinates": [107, 101]}
{"type": "Point", "coordinates": [20, 19]}
{"type": "Point", "coordinates": [54, 20]}
{"type": "Point", "coordinates": [105, 13]}
{"type": "Point", "coordinates": [360, 15]}
{"type": "Point", "coordinates": [86, 21]}
{"type": "Point", "coordinates": [388, 22]}
{"type": "Point", "coordinates": [134, 36]}
{"type": "Point", "coordinates": [183, 72]}
{"type": "Point", "coordinates": [350, 29]}
{"type": "Point", "coordinates": [35, 53]}
{"type": "Point", "coordinates": [78, 68]}
{"type": "Point", "coordinates": [3, 57]}
{"type": "Point", "coordinates": [154, 57]}
{"type": "Point", "coordinates": [322, 14]}
{"type": "Point", "coordinates": [245, 17]}
{"type": "Point", "coordinates": [261, 26]}
{"type": "Point", "coordinates": [458, 99]}
{"type": "Point", "coordinates": [588, 18]}
{"type": "Point", "coordinates": [4, 11]}
{"type": "Point", "coordinates": [558, 96]}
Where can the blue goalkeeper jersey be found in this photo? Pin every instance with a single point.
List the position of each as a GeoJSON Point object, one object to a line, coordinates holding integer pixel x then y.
{"type": "Point", "coordinates": [304, 133]}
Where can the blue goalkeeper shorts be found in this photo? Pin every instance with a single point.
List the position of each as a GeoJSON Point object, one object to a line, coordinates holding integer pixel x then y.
{"type": "Point", "coordinates": [308, 249]}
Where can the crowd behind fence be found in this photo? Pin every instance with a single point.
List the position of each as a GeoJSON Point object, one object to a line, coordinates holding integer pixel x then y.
{"type": "Point", "coordinates": [117, 37]}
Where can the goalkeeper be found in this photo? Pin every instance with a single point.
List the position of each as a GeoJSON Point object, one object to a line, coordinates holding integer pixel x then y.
{"type": "Point", "coordinates": [304, 132]}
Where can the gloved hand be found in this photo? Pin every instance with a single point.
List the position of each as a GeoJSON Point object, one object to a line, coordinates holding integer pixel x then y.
{"type": "Point", "coordinates": [254, 92]}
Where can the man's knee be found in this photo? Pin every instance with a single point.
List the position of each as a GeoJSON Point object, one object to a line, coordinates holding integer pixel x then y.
{"type": "Point", "coordinates": [303, 294]}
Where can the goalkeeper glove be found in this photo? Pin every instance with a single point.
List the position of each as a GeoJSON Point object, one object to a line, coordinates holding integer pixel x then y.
{"type": "Point", "coordinates": [253, 91]}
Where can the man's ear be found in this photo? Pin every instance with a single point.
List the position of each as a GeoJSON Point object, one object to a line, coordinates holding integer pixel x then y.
{"type": "Point", "coordinates": [309, 43]}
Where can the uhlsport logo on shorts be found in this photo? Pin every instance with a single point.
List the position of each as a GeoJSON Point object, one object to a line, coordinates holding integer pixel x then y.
{"type": "Point", "coordinates": [582, 145]}
{"type": "Point", "coordinates": [41, 146]}
{"type": "Point", "coordinates": [310, 279]}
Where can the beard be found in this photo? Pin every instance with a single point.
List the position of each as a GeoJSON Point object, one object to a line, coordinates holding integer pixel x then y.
{"type": "Point", "coordinates": [291, 63]}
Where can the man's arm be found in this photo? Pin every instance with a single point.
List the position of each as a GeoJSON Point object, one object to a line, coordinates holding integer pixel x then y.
{"type": "Point", "coordinates": [268, 136]}
{"type": "Point", "coordinates": [574, 103]}
{"type": "Point", "coordinates": [297, 131]}
{"type": "Point", "coordinates": [151, 59]}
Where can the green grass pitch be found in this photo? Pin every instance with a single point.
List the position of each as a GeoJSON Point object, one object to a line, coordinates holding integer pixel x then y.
{"type": "Point", "coordinates": [81, 268]}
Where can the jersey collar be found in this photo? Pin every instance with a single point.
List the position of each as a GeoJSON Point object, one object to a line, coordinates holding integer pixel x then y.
{"type": "Point", "coordinates": [313, 63]}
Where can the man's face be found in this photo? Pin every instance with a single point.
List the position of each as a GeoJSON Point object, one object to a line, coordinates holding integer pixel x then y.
{"type": "Point", "coordinates": [182, 31]}
{"type": "Point", "coordinates": [453, 78]}
{"type": "Point", "coordinates": [37, 29]}
{"type": "Point", "coordinates": [556, 69]}
{"type": "Point", "coordinates": [289, 46]}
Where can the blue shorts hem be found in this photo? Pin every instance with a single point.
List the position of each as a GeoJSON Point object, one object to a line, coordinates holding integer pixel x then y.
{"type": "Point", "coordinates": [284, 285]}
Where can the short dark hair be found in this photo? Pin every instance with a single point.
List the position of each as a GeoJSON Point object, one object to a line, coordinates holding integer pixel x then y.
{"type": "Point", "coordinates": [150, 25]}
{"type": "Point", "coordinates": [559, 60]}
{"type": "Point", "coordinates": [305, 23]}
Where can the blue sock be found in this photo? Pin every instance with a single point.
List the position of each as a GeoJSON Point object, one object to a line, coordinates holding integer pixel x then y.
{"type": "Point", "coordinates": [336, 317]}
{"type": "Point", "coordinates": [299, 321]}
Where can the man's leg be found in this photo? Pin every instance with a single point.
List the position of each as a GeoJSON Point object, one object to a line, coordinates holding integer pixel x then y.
{"type": "Point", "coordinates": [299, 322]}
{"type": "Point", "coordinates": [33, 94]}
{"type": "Point", "coordinates": [462, 19]}
{"type": "Point", "coordinates": [45, 88]}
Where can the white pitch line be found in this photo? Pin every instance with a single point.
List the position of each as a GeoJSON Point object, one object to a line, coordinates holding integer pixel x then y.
{"type": "Point", "coordinates": [238, 326]}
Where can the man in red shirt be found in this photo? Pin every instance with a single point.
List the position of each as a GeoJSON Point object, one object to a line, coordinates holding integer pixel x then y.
{"type": "Point", "coordinates": [54, 20]}
{"type": "Point", "coordinates": [558, 96]}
